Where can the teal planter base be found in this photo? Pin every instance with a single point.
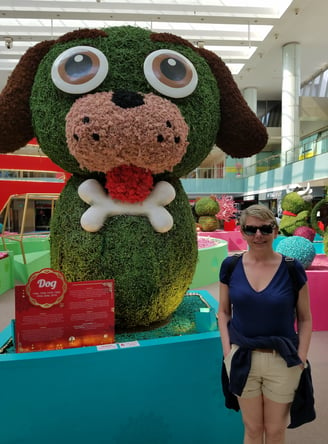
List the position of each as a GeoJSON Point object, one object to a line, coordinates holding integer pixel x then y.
{"type": "Point", "coordinates": [155, 391]}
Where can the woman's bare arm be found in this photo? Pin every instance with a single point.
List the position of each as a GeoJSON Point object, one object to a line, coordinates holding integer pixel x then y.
{"type": "Point", "coordinates": [224, 315]}
{"type": "Point", "coordinates": [304, 322]}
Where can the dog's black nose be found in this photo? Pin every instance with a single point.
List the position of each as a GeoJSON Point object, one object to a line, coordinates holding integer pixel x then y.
{"type": "Point", "coordinates": [127, 99]}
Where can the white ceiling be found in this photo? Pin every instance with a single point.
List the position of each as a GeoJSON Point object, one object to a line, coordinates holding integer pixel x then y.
{"type": "Point", "coordinates": [247, 35]}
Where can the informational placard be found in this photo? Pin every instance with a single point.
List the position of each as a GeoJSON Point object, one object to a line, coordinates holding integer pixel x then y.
{"type": "Point", "coordinates": [52, 313]}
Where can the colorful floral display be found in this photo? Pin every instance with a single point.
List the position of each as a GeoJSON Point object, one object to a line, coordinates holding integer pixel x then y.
{"type": "Point", "coordinates": [227, 208]}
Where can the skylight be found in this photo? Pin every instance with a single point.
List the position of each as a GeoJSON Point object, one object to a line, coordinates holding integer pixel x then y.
{"type": "Point", "coordinates": [232, 28]}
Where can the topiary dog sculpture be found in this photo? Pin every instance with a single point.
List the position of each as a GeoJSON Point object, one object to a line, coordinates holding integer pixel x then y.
{"type": "Point", "coordinates": [127, 112]}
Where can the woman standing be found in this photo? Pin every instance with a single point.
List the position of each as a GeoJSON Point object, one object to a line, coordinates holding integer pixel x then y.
{"type": "Point", "coordinates": [263, 354]}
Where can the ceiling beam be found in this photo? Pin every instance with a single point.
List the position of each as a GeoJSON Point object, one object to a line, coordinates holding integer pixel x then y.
{"type": "Point", "coordinates": [63, 9]}
{"type": "Point", "coordinates": [137, 16]}
{"type": "Point", "coordinates": [208, 39]}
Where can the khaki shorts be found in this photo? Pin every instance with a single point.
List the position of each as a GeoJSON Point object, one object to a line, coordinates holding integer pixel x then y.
{"type": "Point", "coordinates": [269, 375]}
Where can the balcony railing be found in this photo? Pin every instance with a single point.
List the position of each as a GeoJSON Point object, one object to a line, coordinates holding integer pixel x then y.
{"type": "Point", "coordinates": [305, 151]}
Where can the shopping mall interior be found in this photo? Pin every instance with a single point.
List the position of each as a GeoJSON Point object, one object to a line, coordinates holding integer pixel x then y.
{"type": "Point", "coordinates": [276, 53]}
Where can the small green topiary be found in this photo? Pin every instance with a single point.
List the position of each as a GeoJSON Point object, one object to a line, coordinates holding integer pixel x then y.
{"type": "Point", "coordinates": [296, 213]}
{"type": "Point", "coordinates": [325, 242]}
{"type": "Point", "coordinates": [206, 209]}
{"type": "Point", "coordinates": [208, 223]}
{"type": "Point", "coordinates": [314, 220]}
{"type": "Point", "coordinates": [206, 206]}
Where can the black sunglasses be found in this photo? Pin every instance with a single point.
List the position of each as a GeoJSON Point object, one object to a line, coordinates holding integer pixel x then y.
{"type": "Point", "coordinates": [250, 230]}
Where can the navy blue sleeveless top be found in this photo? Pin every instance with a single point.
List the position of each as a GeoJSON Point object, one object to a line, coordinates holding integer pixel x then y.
{"type": "Point", "coordinates": [270, 312]}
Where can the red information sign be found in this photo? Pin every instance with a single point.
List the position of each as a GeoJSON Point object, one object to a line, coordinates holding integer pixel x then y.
{"type": "Point", "coordinates": [54, 314]}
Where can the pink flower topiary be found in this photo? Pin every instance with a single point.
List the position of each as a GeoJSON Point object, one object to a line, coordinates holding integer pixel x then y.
{"type": "Point", "coordinates": [227, 208]}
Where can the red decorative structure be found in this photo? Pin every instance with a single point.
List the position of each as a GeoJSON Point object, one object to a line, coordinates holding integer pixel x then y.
{"type": "Point", "coordinates": [230, 225]}
{"type": "Point", "coordinates": [317, 275]}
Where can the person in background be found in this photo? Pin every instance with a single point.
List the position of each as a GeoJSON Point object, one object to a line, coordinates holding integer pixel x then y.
{"type": "Point", "coordinates": [264, 356]}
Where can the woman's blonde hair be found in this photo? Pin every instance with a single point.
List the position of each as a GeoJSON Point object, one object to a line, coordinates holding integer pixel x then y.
{"type": "Point", "coordinates": [261, 212]}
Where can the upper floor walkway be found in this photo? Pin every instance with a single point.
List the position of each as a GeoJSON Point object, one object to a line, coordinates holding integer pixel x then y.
{"type": "Point", "coordinates": [305, 164]}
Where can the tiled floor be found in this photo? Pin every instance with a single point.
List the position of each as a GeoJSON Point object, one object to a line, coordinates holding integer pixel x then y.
{"type": "Point", "coordinates": [315, 432]}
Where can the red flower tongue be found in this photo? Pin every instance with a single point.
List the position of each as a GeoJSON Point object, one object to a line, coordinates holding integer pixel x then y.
{"type": "Point", "coordinates": [129, 183]}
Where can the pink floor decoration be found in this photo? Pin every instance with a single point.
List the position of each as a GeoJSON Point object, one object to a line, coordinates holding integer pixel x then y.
{"type": "Point", "coordinates": [234, 238]}
{"type": "Point", "coordinates": [318, 284]}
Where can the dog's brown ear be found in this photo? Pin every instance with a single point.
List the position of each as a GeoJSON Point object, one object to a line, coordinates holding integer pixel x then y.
{"type": "Point", "coordinates": [15, 117]}
{"type": "Point", "coordinates": [241, 134]}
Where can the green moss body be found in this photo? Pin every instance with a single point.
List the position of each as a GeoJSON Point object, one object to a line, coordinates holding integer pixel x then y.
{"type": "Point", "coordinates": [152, 271]}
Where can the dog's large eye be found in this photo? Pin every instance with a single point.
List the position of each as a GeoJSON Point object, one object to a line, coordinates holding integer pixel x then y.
{"type": "Point", "coordinates": [170, 73]}
{"type": "Point", "coordinates": [79, 69]}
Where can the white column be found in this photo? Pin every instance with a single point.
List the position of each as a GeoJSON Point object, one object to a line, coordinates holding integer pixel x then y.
{"type": "Point", "coordinates": [250, 95]}
{"type": "Point", "coordinates": [291, 84]}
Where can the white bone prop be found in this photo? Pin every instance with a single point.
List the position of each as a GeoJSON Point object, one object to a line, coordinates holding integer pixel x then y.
{"type": "Point", "coordinates": [102, 206]}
